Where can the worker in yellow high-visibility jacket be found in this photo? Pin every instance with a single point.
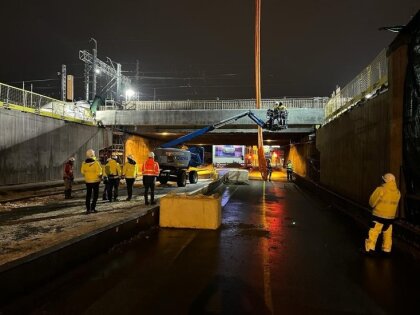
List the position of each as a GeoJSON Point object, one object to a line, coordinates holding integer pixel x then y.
{"type": "Point", "coordinates": [384, 201]}
{"type": "Point", "coordinates": [129, 172]}
{"type": "Point", "coordinates": [113, 172]}
{"type": "Point", "coordinates": [92, 171]}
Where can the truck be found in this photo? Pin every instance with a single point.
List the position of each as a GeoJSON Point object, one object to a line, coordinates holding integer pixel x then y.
{"type": "Point", "coordinates": [175, 163]}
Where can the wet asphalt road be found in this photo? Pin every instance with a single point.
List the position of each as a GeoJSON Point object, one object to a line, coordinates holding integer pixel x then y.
{"type": "Point", "coordinates": [279, 251]}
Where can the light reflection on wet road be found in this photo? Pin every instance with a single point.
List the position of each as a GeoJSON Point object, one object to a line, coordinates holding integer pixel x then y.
{"type": "Point", "coordinates": [278, 251]}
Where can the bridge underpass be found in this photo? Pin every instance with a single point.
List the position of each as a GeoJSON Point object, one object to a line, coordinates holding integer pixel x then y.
{"type": "Point", "coordinates": [153, 121]}
{"type": "Point", "coordinates": [282, 248]}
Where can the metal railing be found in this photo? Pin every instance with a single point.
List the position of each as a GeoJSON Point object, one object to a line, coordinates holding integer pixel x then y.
{"type": "Point", "coordinates": [314, 102]}
{"type": "Point", "coordinates": [15, 98]}
{"type": "Point", "coordinates": [373, 78]}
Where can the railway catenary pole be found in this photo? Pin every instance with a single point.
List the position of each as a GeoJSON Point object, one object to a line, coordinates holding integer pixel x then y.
{"type": "Point", "coordinates": [261, 156]}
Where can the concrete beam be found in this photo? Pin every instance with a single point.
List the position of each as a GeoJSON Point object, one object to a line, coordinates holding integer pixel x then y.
{"type": "Point", "coordinates": [200, 118]}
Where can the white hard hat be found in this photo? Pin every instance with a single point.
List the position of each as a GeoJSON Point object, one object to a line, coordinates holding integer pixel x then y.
{"type": "Point", "coordinates": [114, 157]}
{"type": "Point", "coordinates": [72, 159]}
{"type": "Point", "coordinates": [151, 155]}
{"type": "Point", "coordinates": [90, 153]}
{"type": "Point", "coordinates": [388, 177]}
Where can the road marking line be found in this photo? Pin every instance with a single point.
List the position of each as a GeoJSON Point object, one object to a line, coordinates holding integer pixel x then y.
{"type": "Point", "coordinates": [266, 261]}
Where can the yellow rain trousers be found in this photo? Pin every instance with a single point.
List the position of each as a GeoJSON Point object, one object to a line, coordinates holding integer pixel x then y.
{"type": "Point", "coordinates": [374, 232]}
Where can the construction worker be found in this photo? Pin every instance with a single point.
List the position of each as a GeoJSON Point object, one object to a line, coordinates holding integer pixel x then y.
{"type": "Point", "coordinates": [384, 201]}
{"type": "Point", "coordinates": [283, 115]}
{"type": "Point", "coordinates": [150, 170]}
{"type": "Point", "coordinates": [92, 171]}
{"type": "Point", "coordinates": [129, 172]}
{"type": "Point", "coordinates": [289, 170]}
{"type": "Point", "coordinates": [104, 178]}
{"type": "Point", "coordinates": [269, 170]}
{"type": "Point", "coordinates": [68, 177]}
{"type": "Point", "coordinates": [113, 172]}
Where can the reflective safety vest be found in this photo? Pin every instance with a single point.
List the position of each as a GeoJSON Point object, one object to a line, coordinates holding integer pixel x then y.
{"type": "Point", "coordinates": [384, 200]}
{"type": "Point", "coordinates": [150, 168]}
{"type": "Point", "coordinates": [113, 169]}
{"type": "Point", "coordinates": [130, 170]}
{"type": "Point", "coordinates": [289, 167]}
{"type": "Point", "coordinates": [91, 170]}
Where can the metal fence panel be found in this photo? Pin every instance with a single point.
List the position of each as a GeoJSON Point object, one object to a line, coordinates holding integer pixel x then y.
{"type": "Point", "coordinates": [11, 96]}
{"type": "Point", "coordinates": [314, 102]}
{"type": "Point", "coordinates": [366, 83]}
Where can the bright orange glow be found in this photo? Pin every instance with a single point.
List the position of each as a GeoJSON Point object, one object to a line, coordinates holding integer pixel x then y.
{"type": "Point", "coordinates": [274, 155]}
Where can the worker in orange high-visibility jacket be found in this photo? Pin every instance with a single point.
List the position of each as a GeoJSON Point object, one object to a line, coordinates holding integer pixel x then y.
{"type": "Point", "coordinates": [150, 170]}
{"type": "Point", "coordinates": [384, 201]}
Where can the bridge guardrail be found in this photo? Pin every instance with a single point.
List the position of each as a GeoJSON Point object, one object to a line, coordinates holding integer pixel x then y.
{"type": "Point", "coordinates": [314, 102]}
{"type": "Point", "coordinates": [364, 85]}
{"type": "Point", "coordinates": [27, 101]}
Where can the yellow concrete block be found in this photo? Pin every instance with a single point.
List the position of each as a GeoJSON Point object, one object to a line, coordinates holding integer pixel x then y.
{"type": "Point", "coordinates": [195, 212]}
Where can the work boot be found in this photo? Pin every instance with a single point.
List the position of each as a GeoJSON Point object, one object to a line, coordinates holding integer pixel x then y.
{"type": "Point", "coordinates": [153, 202]}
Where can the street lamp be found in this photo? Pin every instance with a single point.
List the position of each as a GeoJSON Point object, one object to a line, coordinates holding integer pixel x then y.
{"type": "Point", "coordinates": [128, 94]}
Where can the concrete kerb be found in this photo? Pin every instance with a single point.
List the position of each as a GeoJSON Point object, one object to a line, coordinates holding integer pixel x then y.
{"type": "Point", "coordinates": [407, 237]}
{"type": "Point", "coordinates": [33, 186]}
{"type": "Point", "coordinates": [209, 188]}
{"type": "Point", "coordinates": [24, 274]}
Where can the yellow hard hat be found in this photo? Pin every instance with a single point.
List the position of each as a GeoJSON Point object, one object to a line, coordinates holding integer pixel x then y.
{"type": "Point", "coordinates": [388, 177]}
{"type": "Point", "coordinates": [90, 153]}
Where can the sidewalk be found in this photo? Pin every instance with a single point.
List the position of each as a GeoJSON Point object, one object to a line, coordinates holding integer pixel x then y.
{"type": "Point", "coordinates": [42, 222]}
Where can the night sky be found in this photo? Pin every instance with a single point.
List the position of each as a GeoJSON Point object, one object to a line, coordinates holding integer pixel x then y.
{"type": "Point", "coordinates": [199, 49]}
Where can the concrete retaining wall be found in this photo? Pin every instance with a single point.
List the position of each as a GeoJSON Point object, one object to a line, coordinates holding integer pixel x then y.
{"type": "Point", "coordinates": [300, 155]}
{"type": "Point", "coordinates": [139, 147]}
{"type": "Point", "coordinates": [354, 149]}
{"type": "Point", "coordinates": [34, 148]}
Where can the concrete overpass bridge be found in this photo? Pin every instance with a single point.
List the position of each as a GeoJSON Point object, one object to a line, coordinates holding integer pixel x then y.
{"type": "Point", "coordinates": [165, 120]}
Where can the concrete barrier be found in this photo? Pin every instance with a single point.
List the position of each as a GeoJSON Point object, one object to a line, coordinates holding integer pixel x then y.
{"type": "Point", "coordinates": [237, 176]}
{"type": "Point", "coordinates": [196, 212]}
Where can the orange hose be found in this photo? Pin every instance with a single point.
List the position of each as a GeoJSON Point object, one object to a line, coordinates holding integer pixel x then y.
{"type": "Point", "coordinates": [261, 157]}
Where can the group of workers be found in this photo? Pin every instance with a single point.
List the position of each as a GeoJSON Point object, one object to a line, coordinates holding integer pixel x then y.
{"type": "Point", "coordinates": [111, 172]}
{"type": "Point", "coordinates": [289, 170]}
{"type": "Point", "coordinates": [384, 200]}
{"type": "Point", "coordinates": [277, 117]}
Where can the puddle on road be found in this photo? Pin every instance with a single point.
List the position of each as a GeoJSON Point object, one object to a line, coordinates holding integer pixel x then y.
{"type": "Point", "coordinates": [243, 229]}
